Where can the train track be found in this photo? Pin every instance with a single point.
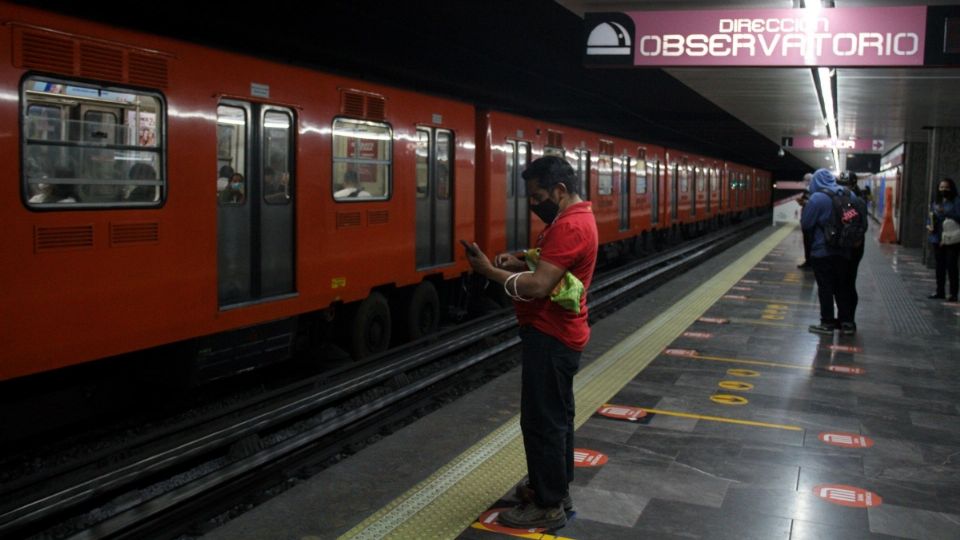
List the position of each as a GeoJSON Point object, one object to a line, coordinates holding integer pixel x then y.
{"type": "Point", "coordinates": [159, 484]}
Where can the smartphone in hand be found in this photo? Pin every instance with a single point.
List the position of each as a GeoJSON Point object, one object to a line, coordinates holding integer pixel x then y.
{"type": "Point", "coordinates": [469, 247]}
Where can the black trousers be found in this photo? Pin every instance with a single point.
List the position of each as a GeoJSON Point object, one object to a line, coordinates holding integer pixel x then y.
{"type": "Point", "coordinates": [807, 242]}
{"type": "Point", "coordinates": [834, 275]}
{"type": "Point", "coordinates": [947, 257]}
{"type": "Point", "coordinates": [546, 413]}
{"type": "Point", "coordinates": [850, 282]}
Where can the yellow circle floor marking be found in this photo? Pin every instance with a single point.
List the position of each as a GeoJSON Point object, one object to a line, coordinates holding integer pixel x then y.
{"type": "Point", "coordinates": [728, 399]}
{"type": "Point", "coordinates": [735, 385]}
{"type": "Point", "coordinates": [743, 373]}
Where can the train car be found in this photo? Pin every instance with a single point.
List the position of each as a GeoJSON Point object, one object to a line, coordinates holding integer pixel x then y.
{"type": "Point", "coordinates": [242, 212]}
{"type": "Point", "coordinates": [159, 200]}
{"type": "Point", "coordinates": [738, 185]}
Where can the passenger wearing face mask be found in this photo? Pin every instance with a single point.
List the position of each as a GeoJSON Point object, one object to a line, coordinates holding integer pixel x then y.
{"type": "Point", "coordinates": [233, 193]}
{"type": "Point", "coordinates": [553, 334]}
{"type": "Point", "coordinates": [945, 216]}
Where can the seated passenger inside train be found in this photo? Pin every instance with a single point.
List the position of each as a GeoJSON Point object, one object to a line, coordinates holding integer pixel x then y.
{"type": "Point", "coordinates": [351, 187]}
{"type": "Point", "coordinates": [141, 193]}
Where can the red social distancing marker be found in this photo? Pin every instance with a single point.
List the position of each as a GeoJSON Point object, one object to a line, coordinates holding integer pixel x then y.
{"type": "Point", "coordinates": [847, 370]}
{"type": "Point", "coordinates": [847, 495]}
{"type": "Point", "coordinates": [622, 412]}
{"type": "Point", "coordinates": [846, 440]}
{"type": "Point", "coordinates": [488, 522]}
{"type": "Point", "coordinates": [680, 352]}
{"type": "Point", "coordinates": [714, 320]}
{"type": "Point", "coordinates": [845, 348]}
{"type": "Point", "coordinates": [698, 335]}
{"type": "Point", "coordinates": [588, 458]}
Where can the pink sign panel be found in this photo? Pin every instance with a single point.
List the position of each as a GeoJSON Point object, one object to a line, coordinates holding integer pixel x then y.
{"type": "Point", "coordinates": [856, 36]}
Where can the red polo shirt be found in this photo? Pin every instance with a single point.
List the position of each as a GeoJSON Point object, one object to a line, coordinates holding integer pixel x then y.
{"type": "Point", "coordinates": [570, 243]}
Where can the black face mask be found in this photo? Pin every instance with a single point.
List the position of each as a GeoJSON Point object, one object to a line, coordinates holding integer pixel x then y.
{"type": "Point", "coordinates": [546, 210]}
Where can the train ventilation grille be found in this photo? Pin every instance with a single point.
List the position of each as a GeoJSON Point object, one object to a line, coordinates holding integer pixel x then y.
{"type": "Point", "coordinates": [372, 107]}
{"type": "Point", "coordinates": [73, 56]}
{"type": "Point", "coordinates": [348, 219]}
{"type": "Point", "coordinates": [61, 238]}
{"type": "Point", "coordinates": [126, 234]}
{"type": "Point", "coordinates": [98, 62]}
{"type": "Point", "coordinates": [378, 217]}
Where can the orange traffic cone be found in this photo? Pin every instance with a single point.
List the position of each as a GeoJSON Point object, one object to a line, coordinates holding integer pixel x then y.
{"type": "Point", "coordinates": [887, 234]}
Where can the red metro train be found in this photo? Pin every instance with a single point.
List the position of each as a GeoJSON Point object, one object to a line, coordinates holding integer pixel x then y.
{"type": "Point", "coordinates": [241, 210]}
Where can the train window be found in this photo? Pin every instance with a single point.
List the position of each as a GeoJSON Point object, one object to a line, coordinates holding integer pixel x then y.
{"type": "Point", "coordinates": [641, 172]}
{"type": "Point", "coordinates": [700, 180]}
{"type": "Point", "coordinates": [684, 177]}
{"type": "Point", "coordinates": [277, 150]}
{"type": "Point", "coordinates": [422, 154]}
{"type": "Point", "coordinates": [91, 146]}
{"type": "Point", "coordinates": [605, 175]}
{"type": "Point", "coordinates": [231, 155]}
{"type": "Point", "coordinates": [362, 159]}
{"type": "Point", "coordinates": [583, 172]}
{"type": "Point", "coordinates": [444, 151]}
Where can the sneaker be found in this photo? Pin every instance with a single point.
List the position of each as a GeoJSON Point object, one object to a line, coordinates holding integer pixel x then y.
{"type": "Point", "coordinates": [527, 495]}
{"type": "Point", "coordinates": [805, 266]}
{"type": "Point", "coordinates": [952, 298]}
{"type": "Point", "coordinates": [531, 516]}
{"type": "Point", "coordinates": [822, 328]}
{"type": "Point", "coordinates": [848, 328]}
{"type": "Point", "coordinates": [936, 296]}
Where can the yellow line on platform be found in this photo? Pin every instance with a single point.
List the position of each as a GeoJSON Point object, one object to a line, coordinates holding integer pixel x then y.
{"type": "Point", "coordinates": [750, 361]}
{"type": "Point", "coordinates": [451, 499]}
{"type": "Point", "coordinates": [723, 419]}
{"type": "Point", "coordinates": [764, 323]}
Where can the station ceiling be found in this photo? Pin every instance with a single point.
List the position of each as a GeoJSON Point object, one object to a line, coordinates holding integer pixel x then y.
{"type": "Point", "coordinates": [889, 104]}
{"type": "Point", "coordinates": [526, 57]}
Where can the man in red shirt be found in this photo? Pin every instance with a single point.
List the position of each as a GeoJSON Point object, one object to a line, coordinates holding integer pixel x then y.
{"type": "Point", "coordinates": [553, 336]}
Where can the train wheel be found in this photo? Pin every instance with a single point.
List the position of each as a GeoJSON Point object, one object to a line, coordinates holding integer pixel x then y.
{"type": "Point", "coordinates": [423, 311]}
{"type": "Point", "coordinates": [370, 330]}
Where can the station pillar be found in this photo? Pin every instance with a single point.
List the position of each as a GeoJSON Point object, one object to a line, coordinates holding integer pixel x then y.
{"type": "Point", "coordinates": [943, 160]}
{"type": "Point", "coordinates": [913, 207]}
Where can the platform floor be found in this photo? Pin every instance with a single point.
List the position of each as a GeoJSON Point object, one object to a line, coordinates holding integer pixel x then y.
{"type": "Point", "coordinates": [752, 428]}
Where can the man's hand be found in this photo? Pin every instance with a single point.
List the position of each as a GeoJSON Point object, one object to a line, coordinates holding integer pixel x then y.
{"type": "Point", "coordinates": [478, 261]}
{"type": "Point", "coordinates": [509, 262]}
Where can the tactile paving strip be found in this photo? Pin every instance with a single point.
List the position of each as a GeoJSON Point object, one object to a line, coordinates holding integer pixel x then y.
{"type": "Point", "coordinates": [451, 499]}
{"type": "Point", "coordinates": [901, 305]}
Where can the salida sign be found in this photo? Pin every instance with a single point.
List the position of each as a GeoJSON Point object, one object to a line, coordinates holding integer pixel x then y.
{"type": "Point", "coordinates": [861, 36]}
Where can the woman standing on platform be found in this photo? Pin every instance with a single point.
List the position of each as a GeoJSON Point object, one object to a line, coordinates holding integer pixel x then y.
{"type": "Point", "coordinates": [944, 226]}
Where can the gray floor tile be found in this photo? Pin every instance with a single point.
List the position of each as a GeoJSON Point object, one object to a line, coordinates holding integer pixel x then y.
{"type": "Point", "coordinates": [913, 523]}
{"type": "Point", "coordinates": [792, 505]}
{"type": "Point", "coordinates": [611, 507]}
{"type": "Point", "coordinates": [682, 485]}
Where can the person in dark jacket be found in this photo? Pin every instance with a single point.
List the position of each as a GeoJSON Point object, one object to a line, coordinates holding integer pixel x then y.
{"type": "Point", "coordinates": [854, 256]}
{"type": "Point", "coordinates": [831, 267]}
{"type": "Point", "coordinates": [945, 206]}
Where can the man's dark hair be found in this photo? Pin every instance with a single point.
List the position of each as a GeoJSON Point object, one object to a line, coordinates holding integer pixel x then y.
{"type": "Point", "coordinates": [552, 170]}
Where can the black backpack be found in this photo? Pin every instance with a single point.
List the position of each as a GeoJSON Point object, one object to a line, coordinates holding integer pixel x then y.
{"type": "Point", "coordinates": [847, 226]}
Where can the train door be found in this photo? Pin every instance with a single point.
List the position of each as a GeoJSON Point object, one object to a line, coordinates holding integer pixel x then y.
{"type": "Point", "coordinates": [518, 215]}
{"type": "Point", "coordinates": [653, 178]}
{"type": "Point", "coordinates": [434, 197]}
{"type": "Point", "coordinates": [678, 169]}
{"type": "Point", "coordinates": [697, 178]}
{"type": "Point", "coordinates": [710, 187]}
{"type": "Point", "coordinates": [625, 193]}
{"type": "Point", "coordinates": [255, 209]}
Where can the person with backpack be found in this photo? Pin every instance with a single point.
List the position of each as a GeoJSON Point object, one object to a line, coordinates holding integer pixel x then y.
{"type": "Point", "coordinates": [856, 250]}
{"type": "Point", "coordinates": [836, 219]}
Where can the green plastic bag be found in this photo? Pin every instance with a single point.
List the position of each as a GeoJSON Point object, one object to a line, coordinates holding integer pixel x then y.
{"type": "Point", "coordinates": [569, 290]}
